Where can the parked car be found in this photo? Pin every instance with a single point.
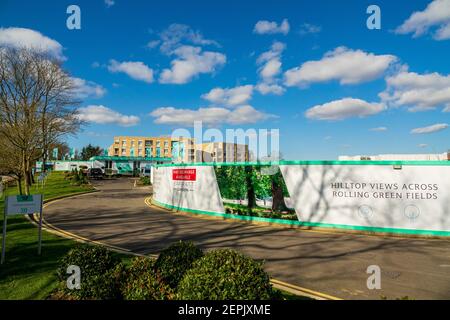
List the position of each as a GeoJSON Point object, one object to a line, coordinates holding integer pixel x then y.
{"type": "Point", "coordinates": [95, 173]}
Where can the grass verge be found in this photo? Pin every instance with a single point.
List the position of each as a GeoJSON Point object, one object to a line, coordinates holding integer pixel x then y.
{"type": "Point", "coordinates": [25, 275]}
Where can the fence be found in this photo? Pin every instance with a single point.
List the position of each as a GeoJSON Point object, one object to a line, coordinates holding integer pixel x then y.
{"type": "Point", "coordinates": [408, 197]}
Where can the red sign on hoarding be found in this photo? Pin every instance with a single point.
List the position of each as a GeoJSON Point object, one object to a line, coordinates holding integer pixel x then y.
{"type": "Point", "coordinates": [184, 174]}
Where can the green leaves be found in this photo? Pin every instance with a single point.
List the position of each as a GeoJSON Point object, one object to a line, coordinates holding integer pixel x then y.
{"type": "Point", "coordinates": [174, 261]}
{"type": "Point", "coordinates": [225, 274]}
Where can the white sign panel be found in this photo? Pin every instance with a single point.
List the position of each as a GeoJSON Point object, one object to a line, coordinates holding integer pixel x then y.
{"type": "Point", "coordinates": [407, 197]}
{"type": "Point", "coordinates": [24, 204]}
{"type": "Point", "coordinates": [187, 187]}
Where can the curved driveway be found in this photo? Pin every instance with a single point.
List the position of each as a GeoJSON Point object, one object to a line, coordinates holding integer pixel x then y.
{"type": "Point", "coordinates": [334, 264]}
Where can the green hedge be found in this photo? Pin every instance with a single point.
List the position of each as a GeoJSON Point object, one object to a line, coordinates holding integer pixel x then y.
{"type": "Point", "coordinates": [225, 274]}
{"type": "Point", "coordinates": [142, 283]}
{"type": "Point", "coordinates": [174, 261]}
{"type": "Point", "coordinates": [96, 266]}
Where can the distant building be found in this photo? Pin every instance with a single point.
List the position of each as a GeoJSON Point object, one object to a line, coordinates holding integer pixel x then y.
{"type": "Point", "coordinates": [180, 150]}
{"type": "Point", "coordinates": [223, 152]}
{"type": "Point", "coordinates": [399, 157]}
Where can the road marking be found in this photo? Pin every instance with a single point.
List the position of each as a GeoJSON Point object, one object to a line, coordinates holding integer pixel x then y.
{"type": "Point", "coordinates": [278, 283]}
{"type": "Point", "coordinates": [303, 291]}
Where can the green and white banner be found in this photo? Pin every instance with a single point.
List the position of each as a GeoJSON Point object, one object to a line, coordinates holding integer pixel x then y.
{"type": "Point", "coordinates": [24, 204]}
{"type": "Point", "coordinates": [398, 197]}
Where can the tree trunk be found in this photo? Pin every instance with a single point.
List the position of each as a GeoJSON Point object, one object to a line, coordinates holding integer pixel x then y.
{"type": "Point", "coordinates": [24, 170]}
{"type": "Point", "coordinates": [278, 203]}
{"type": "Point", "coordinates": [251, 197]}
{"type": "Point", "coordinates": [26, 174]}
{"type": "Point", "coordinates": [19, 185]}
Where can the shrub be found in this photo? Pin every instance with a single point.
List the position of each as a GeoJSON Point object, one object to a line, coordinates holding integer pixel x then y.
{"type": "Point", "coordinates": [109, 285]}
{"type": "Point", "coordinates": [225, 274]}
{"type": "Point", "coordinates": [141, 282]}
{"type": "Point", "coordinates": [145, 181]}
{"type": "Point", "coordinates": [96, 264]}
{"type": "Point", "coordinates": [174, 261]}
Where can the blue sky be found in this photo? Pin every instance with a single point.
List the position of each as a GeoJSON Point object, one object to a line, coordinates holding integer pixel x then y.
{"type": "Point", "coordinates": [336, 87]}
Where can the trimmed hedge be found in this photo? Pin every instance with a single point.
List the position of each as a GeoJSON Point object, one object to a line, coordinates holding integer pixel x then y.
{"type": "Point", "coordinates": [174, 261]}
{"type": "Point", "coordinates": [225, 274]}
{"type": "Point", "coordinates": [96, 266]}
{"type": "Point", "coordinates": [142, 283]}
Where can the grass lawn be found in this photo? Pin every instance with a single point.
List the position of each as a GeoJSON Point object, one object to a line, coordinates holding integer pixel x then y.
{"type": "Point", "coordinates": [25, 275]}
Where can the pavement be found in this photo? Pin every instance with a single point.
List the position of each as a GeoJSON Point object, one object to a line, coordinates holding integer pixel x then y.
{"type": "Point", "coordinates": [331, 263]}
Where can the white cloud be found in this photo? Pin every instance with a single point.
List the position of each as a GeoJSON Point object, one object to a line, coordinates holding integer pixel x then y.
{"type": "Point", "coordinates": [109, 3]}
{"type": "Point", "coordinates": [135, 70]}
{"type": "Point", "coordinates": [443, 33]}
{"type": "Point", "coordinates": [308, 28]}
{"type": "Point", "coordinates": [345, 65]}
{"type": "Point", "coordinates": [176, 34]}
{"type": "Point", "coordinates": [430, 129]}
{"type": "Point", "coordinates": [191, 62]}
{"type": "Point", "coordinates": [245, 114]}
{"type": "Point", "coordinates": [229, 97]}
{"type": "Point", "coordinates": [103, 115]}
{"type": "Point", "coordinates": [422, 145]}
{"type": "Point", "coordinates": [271, 61]}
{"type": "Point", "coordinates": [378, 129]}
{"type": "Point", "coordinates": [436, 14]}
{"type": "Point", "coordinates": [85, 89]}
{"type": "Point", "coordinates": [265, 88]}
{"type": "Point", "coordinates": [275, 51]}
{"type": "Point", "coordinates": [22, 37]}
{"type": "Point", "coordinates": [343, 109]}
{"type": "Point", "coordinates": [270, 68]}
{"type": "Point", "coordinates": [419, 92]}
{"type": "Point", "coordinates": [153, 44]}
{"type": "Point", "coordinates": [271, 27]}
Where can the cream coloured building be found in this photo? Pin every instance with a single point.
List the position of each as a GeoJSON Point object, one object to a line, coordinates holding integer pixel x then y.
{"type": "Point", "coordinates": [182, 150]}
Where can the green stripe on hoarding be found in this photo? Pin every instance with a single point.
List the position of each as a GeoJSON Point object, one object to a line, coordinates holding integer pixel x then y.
{"type": "Point", "coordinates": [310, 162]}
{"type": "Point", "coordinates": [309, 224]}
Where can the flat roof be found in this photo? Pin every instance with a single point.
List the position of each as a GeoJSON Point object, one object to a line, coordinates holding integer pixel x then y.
{"type": "Point", "coordinates": [117, 158]}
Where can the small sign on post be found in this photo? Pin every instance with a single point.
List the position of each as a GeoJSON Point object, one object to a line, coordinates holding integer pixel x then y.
{"type": "Point", "coordinates": [15, 205]}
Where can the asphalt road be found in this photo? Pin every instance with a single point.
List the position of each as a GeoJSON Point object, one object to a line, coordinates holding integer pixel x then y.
{"type": "Point", "coordinates": [334, 264]}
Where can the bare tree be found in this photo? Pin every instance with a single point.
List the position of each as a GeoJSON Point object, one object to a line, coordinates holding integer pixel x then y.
{"type": "Point", "coordinates": [37, 105]}
{"type": "Point", "coordinates": [10, 163]}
